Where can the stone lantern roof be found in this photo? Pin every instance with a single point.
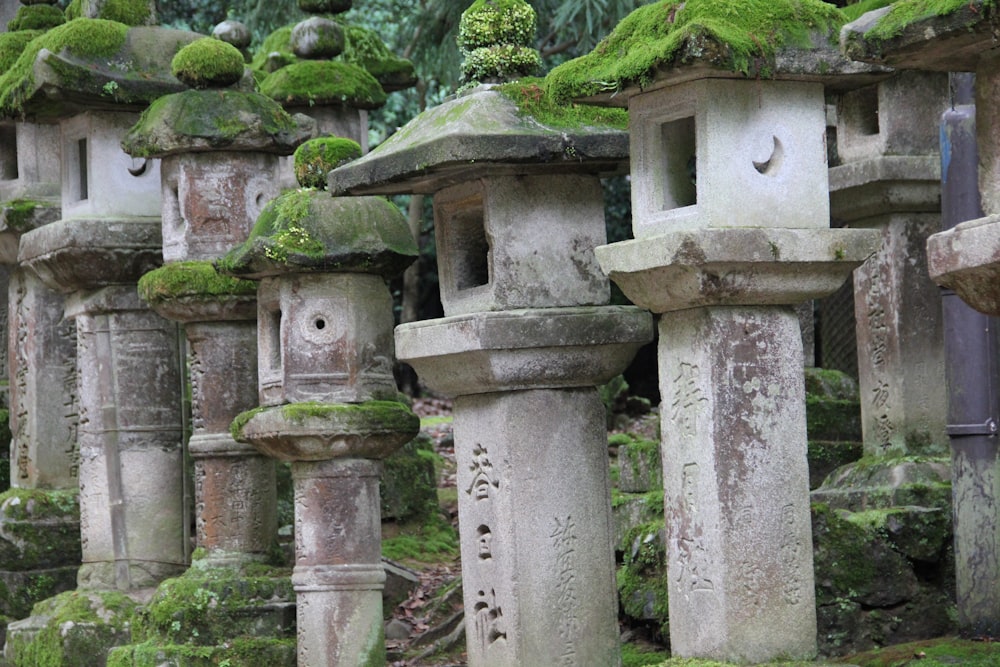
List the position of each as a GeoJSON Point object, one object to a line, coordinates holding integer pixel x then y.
{"type": "Point", "coordinates": [91, 64]}
{"type": "Point", "coordinates": [484, 131]}
{"type": "Point", "coordinates": [669, 42]}
{"type": "Point", "coordinates": [909, 35]}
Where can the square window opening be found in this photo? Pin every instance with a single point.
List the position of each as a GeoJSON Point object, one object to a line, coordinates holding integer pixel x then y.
{"type": "Point", "coordinates": [471, 247]}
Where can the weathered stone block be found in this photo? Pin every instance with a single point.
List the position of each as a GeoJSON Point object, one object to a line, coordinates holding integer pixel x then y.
{"type": "Point", "coordinates": [639, 467]}
{"type": "Point", "coordinates": [884, 483]}
{"type": "Point", "coordinates": [629, 510]}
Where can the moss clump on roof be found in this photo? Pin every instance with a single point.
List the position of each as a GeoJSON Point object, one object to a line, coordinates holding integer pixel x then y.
{"type": "Point", "coordinates": [190, 280]}
{"type": "Point", "coordinates": [308, 230]}
{"type": "Point", "coordinates": [854, 12]}
{"type": "Point", "coordinates": [309, 82]}
{"type": "Point", "coordinates": [214, 118]}
{"type": "Point", "coordinates": [748, 32]}
{"type": "Point", "coordinates": [208, 63]}
{"type": "Point", "coordinates": [533, 99]}
{"type": "Point", "coordinates": [490, 22]}
{"type": "Point", "coordinates": [36, 17]}
{"type": "Point", "coordinates": [278, 42]}
{"type": "Point", "coordinates": [504, 62]}
{"type": "Point", "coordinates": [318, 157]}
{"type": "Point", "coordinates": [129, 12]}
{"type": "Point", "coordinates": [84, 38]}
{"type": "Point", "coordinates": [905, 12]}
{"type": "Point", "coordinates": [364, 48]}
{"type": "Point", "coordinates": [12, 45]}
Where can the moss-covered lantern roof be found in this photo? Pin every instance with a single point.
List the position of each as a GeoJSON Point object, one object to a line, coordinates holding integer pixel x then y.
{"type": "Point", "coordinates": [308, 231]}
{"type": "Point", "coordinates": [490, 130]}
{"type": "Point", "coordinates": [326, 82]}
{"type": "Point", "coordinates": [937, 35]}
{"type": "Point", "coordinates": [671, 41]}
{"type": "Point", "coordinates": [90, 64]}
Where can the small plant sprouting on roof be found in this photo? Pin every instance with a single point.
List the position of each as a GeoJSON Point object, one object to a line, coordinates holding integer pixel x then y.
{"type": "Point", "coordinates": [318, 157]}
{"type": "Point", "coordinates": [494, 37]}
{"type": "Point", "coordinates": [208, 63]}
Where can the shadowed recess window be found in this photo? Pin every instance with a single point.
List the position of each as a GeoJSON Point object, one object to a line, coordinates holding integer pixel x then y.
{"type": "Point", "coordinates": [8, 152]}
{"type": "Point", "coordinates": [680, 170]}
{"type": "Point", "coordinates": [471, 247]}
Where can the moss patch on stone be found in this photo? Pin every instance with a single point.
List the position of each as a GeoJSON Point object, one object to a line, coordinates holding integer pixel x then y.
{"type": "Point", "coordinates": [240, 652]}
{"type": "Point", "coordinates": [208, 63]}
{"type": "Point", "coordinates": [214, 118]}
{"type": "Point", "coordinates": [533, 98]}
{"type": "Point", "coordinates": [641, 578]}
{"type": "Point", "coordinates": [129, 12]}
{"type": "Point", "coordinates": [84, 38]}
{"type": "Point", "coordinates": [310, 82]}
{"type": "Point", "coordinates": [318, 157]}
{"type": "Point", "coordinates": [190, 280]}
{"type": "Point", "coordinates": [12, 45]}
{"type": "Point", "coordinates": [490, 22]}
{"type": "Point", "coordinates": [36, 17]}
{"type": "Point", "coordinates": [364, 48]}
{"type": "Point", "coordinates": [941, 652]}
{"type": "Point", "coordinates": [905, 12]}
{"type": "Point", "coordinates": [389, 415]}
{"type": "Point", "coordinates": [854, 12]}
{"type": "Point", "coordinates": [745, 37]}
{"type": "Point", "coordinates": [430, 541]}
{"type": "Point", "coordinates": [17, 213]}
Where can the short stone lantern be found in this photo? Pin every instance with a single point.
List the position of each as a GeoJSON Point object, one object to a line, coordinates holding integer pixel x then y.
{"type": "Point", "coordinates": [526, 338]}
{"type": "Point", "coordinates": [964, 258]}
{"type": "Point", "coordinates": [731, 219]}
{"type": "Point", "coordinates": [327, 394]}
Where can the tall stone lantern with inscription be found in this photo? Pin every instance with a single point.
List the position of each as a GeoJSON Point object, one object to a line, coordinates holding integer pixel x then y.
{"type": "Point", "coordinates": [731, 221]}
{"type": "Point", "coordinates": [966, 259]}
{"type": "Point", "coordinates": [527, 335]}
{"type": "Point", "coordinates": [219, 148]}
{"type": "Point", "coordinates": [327, 393]}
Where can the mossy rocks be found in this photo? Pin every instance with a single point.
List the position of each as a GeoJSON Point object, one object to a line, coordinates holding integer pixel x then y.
{"type": "Point", "coordinates": [205, 120]}
{"type": "Point", "coordinates": [310, 82]}
{"type": "Point", "coordinates": [36, 17]}
{"type": "Point", "coordinates": [317, 38]}
{"type": "Point", "coordinates": [309, 231]}
{"type": "Point", "coordinates": [318, 157]}
{"type": "Point", "coordinates": [129, 12]}
{"type": "Point", "coordinates": [208, 63]}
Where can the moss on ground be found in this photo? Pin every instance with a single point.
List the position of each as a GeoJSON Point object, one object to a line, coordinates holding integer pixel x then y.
{"type": "Point", "coordinates": [192, 280]}
{"type": "Point", "coordinates": [429, 541]}
{"type": "Point", "coordinates": [747, 33]}
{"type": "Point", "coordinates": [942, 652]}
{"type": "Point", "coordinates": [637, 656]}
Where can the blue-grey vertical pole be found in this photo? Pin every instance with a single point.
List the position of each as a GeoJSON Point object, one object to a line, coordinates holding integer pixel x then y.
{"type": "Point", "coordinates": [970, 340]}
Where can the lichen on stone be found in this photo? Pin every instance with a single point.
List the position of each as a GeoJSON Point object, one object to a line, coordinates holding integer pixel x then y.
{"type": "Point", "coordinates": [310, 82]}
{"type": "Point", "coordinates": [36, 17]}
{"type": "Point", "coordinates": [208, 63]}
{"type": "Point", "coordinates": [740, 37]}
{"type": "Point", "coordinates": [190, 280]}
{"type": "Point", "coordinates": [318, 157]}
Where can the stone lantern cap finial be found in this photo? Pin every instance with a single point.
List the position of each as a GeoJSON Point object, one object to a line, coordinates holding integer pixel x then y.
{"type": "Point", "coordinates": [913, 34]}
{"type": "Point", "coordinates": [307, 231]}
{"type": "Point", "coordinates": [91, 64]}
{"type": "Point", "coordinates": [509, 129]}
{"type": "Point", "coordinates": [673, 41]}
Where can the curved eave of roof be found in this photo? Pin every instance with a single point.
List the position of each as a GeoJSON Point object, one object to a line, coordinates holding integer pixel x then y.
{"type": "Point", "coordinates": [477, 134]}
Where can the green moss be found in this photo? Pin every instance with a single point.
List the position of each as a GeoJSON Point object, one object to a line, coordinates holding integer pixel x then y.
{"type": "Point", "coordinates": [503, 62]}
{"type": "Point", "coordinates": [73, 10]}
{"type": "Point", "coordinates": [905, 12]}
{"type": "Point", "coordinates": [309, 82]}
{"type": "Point", "coordinates": [208, 63]}
{"type": "Point", "coordinates": [17, 213]}
{"type": "Point", "coordinates": [318, 157]}
{"type": "Point", "coordinates": [491, 22]}
{"type": "Point", "coordinates": [364, 48]}
{"type": "Point", "coordinates": [533, 98]}
{"type": "Point", "coordinates": [38, 504]}
{"type": "Point", "coordinates": [747, 35]}
{"type": "Point", "coordinates": [854, 12]}
{"type": "Point", "coordinates": [430, 541]}
{"type": "Point", "coordinates": [191, 280]}
{"type": "Point", "coordinates": [129, 12]}
{"type": "Point", "coordinates": [217, 117]}
{"type": "Point", "coordinates": [278, 42]}
{"type": "Point", "coordinates": [643, 572]}
{"type": "Point", "coordinates": [12, 45]}
{"type": "Point", "coordinates": [36, 17]}
{"type": "Point", "coordinates": [84, 38]}
{"type": "Point", "coordinates": [941, 652]}
{"type": "Point", "coordinates": [636, 656]}
{"type": "Point", "coordinates": [392, 415]}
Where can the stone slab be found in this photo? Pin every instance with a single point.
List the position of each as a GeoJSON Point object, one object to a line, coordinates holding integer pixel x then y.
{"type": "Point", "coordinates": [707, 267]}
{"type": "Point", "coordinates": [882, 185]}
{"type": "Point", "coordinates": [520, 349]}
{"type": "Point", "coordinates": [966, 259]}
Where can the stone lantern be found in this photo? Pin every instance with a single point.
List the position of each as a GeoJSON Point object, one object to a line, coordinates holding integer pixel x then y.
{"type": "Point", "coordinates": [731, 219]}
{"type": "Point", "coordinates": [217, 174]}
{"type": "Point", "coordinates": [527, 336]}
{"type": "Point", "coordinates": [130, 432]}
{"type": "Point", "coordinates": [965, 259]}
{"type": "Point", "coordinates": [328, 400]}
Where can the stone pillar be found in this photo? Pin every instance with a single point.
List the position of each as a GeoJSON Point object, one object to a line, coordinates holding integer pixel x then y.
{"type": "Point", "coordinates": [328, 398]}
{"type": "Point", "coordinates": [890, 180]}
{"type": "Point", "coordinates": [723, 254]}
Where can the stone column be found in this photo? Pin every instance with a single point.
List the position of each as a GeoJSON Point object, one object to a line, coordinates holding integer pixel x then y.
{"type": "Point", "coordinates": [887, 137]}
{"type": "Point", "coordinates": [723, 254]}
{"type": "Point", "coordinates": [328, 401]}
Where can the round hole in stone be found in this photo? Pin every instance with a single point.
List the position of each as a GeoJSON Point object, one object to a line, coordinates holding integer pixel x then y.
{"type": "Point", "coordinates": [320, 323]}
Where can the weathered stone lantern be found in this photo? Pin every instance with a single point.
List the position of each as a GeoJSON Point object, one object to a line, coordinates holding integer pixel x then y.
{"type": "Point", "coordinates": [132, 511]}
{"type": "Point", "coordinates": [220, 149]}
{"type": "Point", "coordinates": [328, 397]}
{"type": "Point", "coordinates": [731, 218]}
{"type": "Point", "coordinates": [527, 335]}
{"type": "Point", "coordinates": [966, 259]}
